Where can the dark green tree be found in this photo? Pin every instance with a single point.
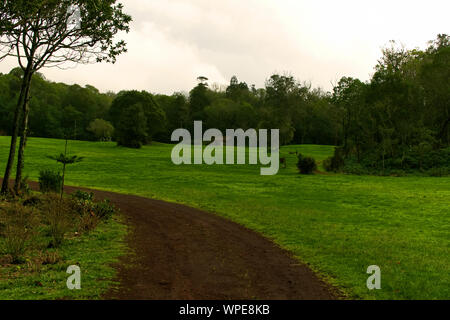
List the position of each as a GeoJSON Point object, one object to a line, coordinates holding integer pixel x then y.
{"type": "Point", "coordinates": [131, 128]}
{"type": "Point", "coordinates": [153, 115]}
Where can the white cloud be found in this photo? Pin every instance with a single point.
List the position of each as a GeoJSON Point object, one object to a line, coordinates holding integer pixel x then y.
{"type": "Point", "coordinates": [174, 41]}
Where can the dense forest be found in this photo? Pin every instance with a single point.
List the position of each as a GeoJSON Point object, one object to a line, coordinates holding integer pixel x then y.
{"type": "Point", "coordinates": [399, 119]}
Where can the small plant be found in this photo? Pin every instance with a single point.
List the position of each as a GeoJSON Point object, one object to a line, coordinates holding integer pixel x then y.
{"type": "Point", "coordinates": [49, 257]}
{"type": "Point", "coordinates": [50, 181]}
{"type": "Point", "coordinates": [306, 165]}
{"type": "Point", "coordinates": [65, 161]}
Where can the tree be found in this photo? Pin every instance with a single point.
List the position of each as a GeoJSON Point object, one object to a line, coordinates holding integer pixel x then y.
{"type": "Point", "coordinates": [102, 129]}
{"type": "Point", "coordinates": [349, 97]}
{"type": "Point", "coordinates": [199, 99]}
{"type": "Point", "coordinates": [282, 94]}
{"type": "Point", "coordinates": [176, 109]}
{"type": "Point", "coordinates": [49, 33]}
{"type": "Point", "coordinates": [152, 114]}
{"type": "Point", "coordinates": [131, 129]}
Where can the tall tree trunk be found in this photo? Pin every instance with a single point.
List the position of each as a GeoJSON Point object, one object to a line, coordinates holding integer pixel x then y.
{"type": "Point", "coordinates": [22, 144]}
{"type": "Point", "coordinates": [15, 130]}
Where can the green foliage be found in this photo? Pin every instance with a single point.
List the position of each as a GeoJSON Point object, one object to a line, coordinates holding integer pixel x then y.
{"type": "Point", "coordinates": [65, 160]}
{"type": "Point", "coordinates": [306, 165]}
{"type": "Point", "coordinates": [50, 181]}
{"type": "Point", "coordinates": [400, 120]}
{"type": "Point", "coordinates": [56, 110]}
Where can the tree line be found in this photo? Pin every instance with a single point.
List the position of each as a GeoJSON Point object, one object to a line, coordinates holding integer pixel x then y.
{"type": "Point", "coordinates": [400, 118]}
{"type": "Point", "coordinates": [303, 115]}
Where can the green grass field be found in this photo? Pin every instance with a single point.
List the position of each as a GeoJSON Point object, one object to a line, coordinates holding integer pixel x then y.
{"type": "Point", "coordinates": [339, 224]}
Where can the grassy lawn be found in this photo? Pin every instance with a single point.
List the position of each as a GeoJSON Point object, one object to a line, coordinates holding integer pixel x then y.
{"type": "Point", "coordinates": [339, 224]}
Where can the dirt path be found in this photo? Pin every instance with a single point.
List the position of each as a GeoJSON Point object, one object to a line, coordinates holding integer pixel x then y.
{"type": "Point", "coordinates": [178, 252]}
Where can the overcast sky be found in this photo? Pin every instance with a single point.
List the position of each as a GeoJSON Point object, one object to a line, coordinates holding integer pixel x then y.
{"type": "Point", "coordinates": [172, 42]}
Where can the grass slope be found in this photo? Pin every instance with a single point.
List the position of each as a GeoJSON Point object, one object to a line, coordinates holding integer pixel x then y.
{"type": "Point", "coordinates": [339, 224]}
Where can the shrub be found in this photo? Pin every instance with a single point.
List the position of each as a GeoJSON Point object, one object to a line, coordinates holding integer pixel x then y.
{"type": "Point", "coordinates": [50, 181]}
{"type": "Point", "coordinates": [306, 165]}
{"type": "Point", "coordinates": [104, 210]}
{"type": "Point", "coordinates": [84, 207]}
{"type": "Point", "coordinates": [84, 196]}
{"type": "Point", "coordinates": [58, 213]}
{"type": "Point", "coordinates": [87, 222]}
{"type": "Point", "coordinates": [353, 167]}
{"type": "Point", "coordinates": [18, 229]}
{"type": "Point", "coordinates": [24, 186]}
{"type": "Point", "coordinates": [32, 202]}
{"type": "Point", "coordinates": [438, 172]}
{"type": "Point", "coordinates": [336, 162]}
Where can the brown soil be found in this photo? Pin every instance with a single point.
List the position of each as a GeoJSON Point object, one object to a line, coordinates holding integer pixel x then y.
{"type": "Point", "coordinates": [181, 253]}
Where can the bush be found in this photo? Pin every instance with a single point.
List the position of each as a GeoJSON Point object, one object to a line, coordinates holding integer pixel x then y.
{"type": "Point", "coordinates": [58, 213]}
{"type": "Point", "coordinates": [89, 213]}
{"type": "Point", "coordinates": [353, 167]}
{"type": "Point", "coordinates": [18, 229]}
{"type": "Point", "coordinates": [50, 181]}
{"type": "Point", "coordinates": [306, 165]}
{"type": "Point", "coordinates": [84, 196]}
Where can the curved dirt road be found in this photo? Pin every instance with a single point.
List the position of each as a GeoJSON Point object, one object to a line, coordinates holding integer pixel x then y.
{"type": "Point", "coordinates": [181, 253]}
